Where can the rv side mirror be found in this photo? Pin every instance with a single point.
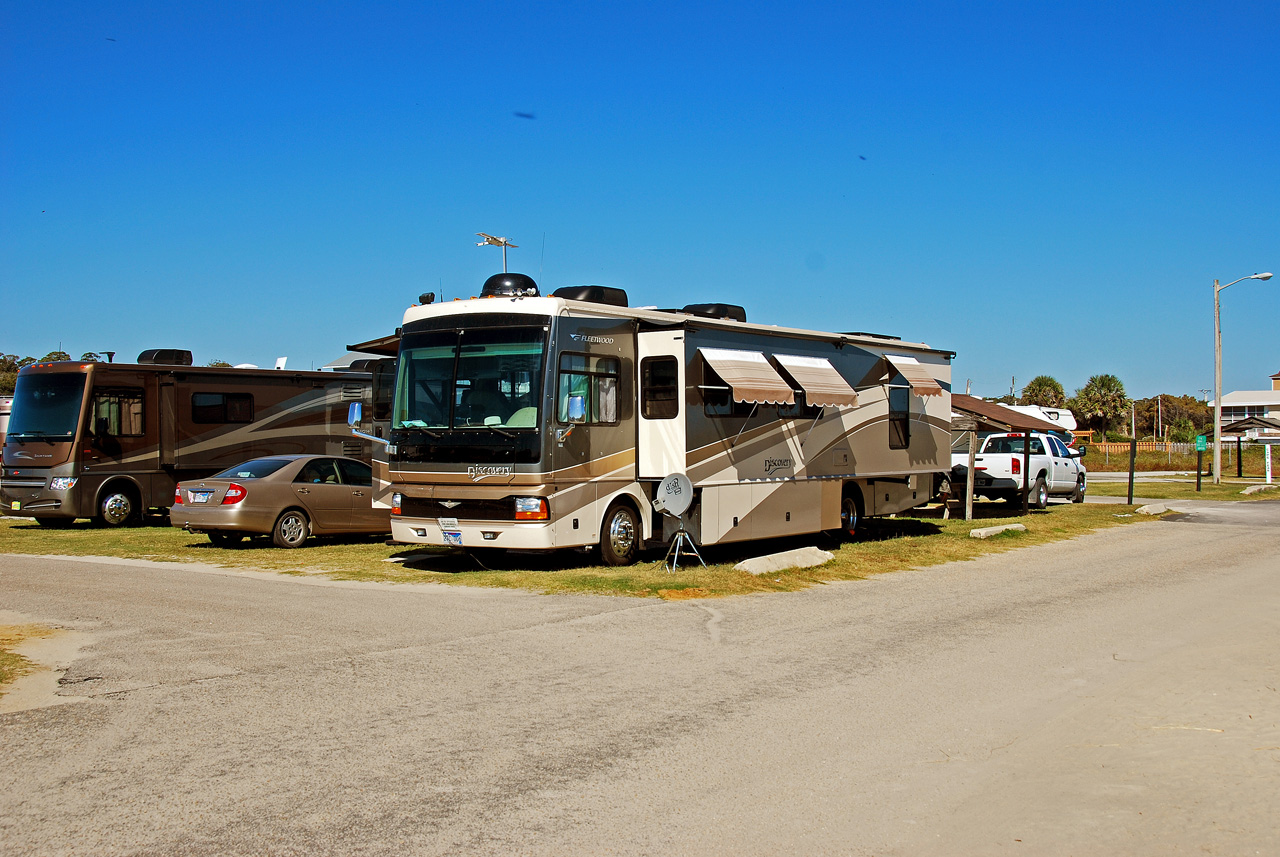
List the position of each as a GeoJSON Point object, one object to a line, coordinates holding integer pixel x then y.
{"type": "Point", "coordinates": [354, 413]}
{"type": "Point", "coordinates": [577, 409]}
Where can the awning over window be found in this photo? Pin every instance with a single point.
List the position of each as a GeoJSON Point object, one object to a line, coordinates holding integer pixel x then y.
{"type": "Point", "coordinates": [922, 383]}
{"type": "Point", "coordinates": [750, 376]}
{"type": "Point", "coordinates": [823, 386]}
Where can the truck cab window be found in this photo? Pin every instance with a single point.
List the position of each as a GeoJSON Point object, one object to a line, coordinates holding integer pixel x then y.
{"type": "Point", "coordinates": [117, 413]}
{"type": "Point", "coordinates": [595, 379]}
{"type": "Point", "coordinates": [659, 390]}
{"type": "Point", "coordinates": [899, 418]}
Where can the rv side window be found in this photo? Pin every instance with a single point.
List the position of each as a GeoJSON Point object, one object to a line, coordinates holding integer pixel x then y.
{"type": "Point", "coordinates": [595, 379]}
{"type": "Point", "coordinates": [659, 390]}
{"type": "Point", "coordinates": [899, 418]}
{"type": "Point", "coordinates": [717, 397]}
{"type": "Point", "coordinates": [221, 408]}
{"type": "Point", "coordinates": [801, 409]}
{"type": "Point", "coordinates": [117, 413]}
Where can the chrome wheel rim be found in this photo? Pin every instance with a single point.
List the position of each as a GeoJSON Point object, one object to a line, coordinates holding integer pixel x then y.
{"type": "Point", "coordinates": [116, 509]}
{"type": "Point", "coordinates": [622, 534]}
{"type": "Point", "coordinates": [848, 515]}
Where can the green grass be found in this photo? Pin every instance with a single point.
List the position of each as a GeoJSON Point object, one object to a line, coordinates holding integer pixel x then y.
{"type": "Point", "coordinates": [1254, 464]}
{"type": "Point", "coordinates": [1182, 489]}
{"type": "Point", "coordinates": [885, 545]}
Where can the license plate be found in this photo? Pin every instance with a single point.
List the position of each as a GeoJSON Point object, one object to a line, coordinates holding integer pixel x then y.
{"type": "Point", "coordinates": [15, 505]}
{"type": "Point", "coordinates": [453, 537]}
{"type": "Point", "coordinates": [201, 496]}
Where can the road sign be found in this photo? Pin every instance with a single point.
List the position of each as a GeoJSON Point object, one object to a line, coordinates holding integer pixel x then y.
{"type": "Point", "coordinates": [1201, 443]}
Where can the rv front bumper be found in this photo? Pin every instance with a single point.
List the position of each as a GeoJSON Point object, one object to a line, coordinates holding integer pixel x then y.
{"type": "Point", "coordinates": [446, 532]}
{"type": "Point", "coordinates": [38, 494]}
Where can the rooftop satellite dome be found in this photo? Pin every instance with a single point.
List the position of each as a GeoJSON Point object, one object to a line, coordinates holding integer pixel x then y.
{"type": "Point", "coordinates": [510, 285]}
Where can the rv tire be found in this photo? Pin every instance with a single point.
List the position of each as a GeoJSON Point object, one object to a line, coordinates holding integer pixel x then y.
{"type": "Point", "coordinates": [620, 535]}
{"type": "Point", "coordinates": [118, 507]}
{"type": "Point", "coordinates": [850, 512]}
{"type": "Point", "coordinates": [291, 529]}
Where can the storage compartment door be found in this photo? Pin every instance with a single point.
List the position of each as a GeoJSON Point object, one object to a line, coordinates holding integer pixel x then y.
{"type": "Point", "coordinates": [661, 411]}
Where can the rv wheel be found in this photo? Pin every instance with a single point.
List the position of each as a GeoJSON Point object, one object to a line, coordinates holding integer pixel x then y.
{"type": "Point", "coordinates": [291, 529]}
{"type": "Point", "coordinates": [620, 536]}
{"type": "Point", "coordinates": [117, 507]}
{"type": "Point", "coordinates": [850, 515]}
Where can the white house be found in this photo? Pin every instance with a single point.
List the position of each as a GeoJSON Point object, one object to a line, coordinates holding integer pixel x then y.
{"type": "Point", "coordinates": [1243, 404]}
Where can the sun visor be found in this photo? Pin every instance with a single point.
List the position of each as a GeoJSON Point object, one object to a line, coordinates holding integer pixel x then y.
{"type": "Point", "coordinates": [750, 376]}
{"type": "Point", "coordinates": [922, 383]}
{"type": "Point", "coordinates": [823, 386]}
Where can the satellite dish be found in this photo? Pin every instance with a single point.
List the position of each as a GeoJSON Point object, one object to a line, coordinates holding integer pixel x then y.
{"type": "Point", "coordinates": [674, 495]}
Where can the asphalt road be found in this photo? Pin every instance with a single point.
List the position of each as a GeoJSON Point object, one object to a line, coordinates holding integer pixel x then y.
{"type": "Point", "coordinates": [1116, 694]}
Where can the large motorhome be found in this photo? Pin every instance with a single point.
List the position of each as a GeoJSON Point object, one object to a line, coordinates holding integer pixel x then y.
{"type": "Point", "coordinates": [111, 440]}
{"type": "Point", "coordinates": [531, 422]}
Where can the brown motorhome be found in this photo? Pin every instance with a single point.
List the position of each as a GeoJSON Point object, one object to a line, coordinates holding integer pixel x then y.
{"type": "Point", "coordinates": [111, 440]}
{"type": "Point", "coordinates": [531, 422]}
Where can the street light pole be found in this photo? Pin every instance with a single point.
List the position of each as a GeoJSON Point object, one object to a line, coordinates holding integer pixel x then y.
{"type": "Point", "coordinates": [1217, 374]}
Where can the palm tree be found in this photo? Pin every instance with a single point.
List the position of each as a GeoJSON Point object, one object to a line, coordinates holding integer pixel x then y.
{"type": "Point", "coordinates": [1100, 402]}
{"type": "Point", "coordinates": [1045, 392]}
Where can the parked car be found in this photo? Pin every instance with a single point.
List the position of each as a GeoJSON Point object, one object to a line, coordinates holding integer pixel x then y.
{"type": "Point", "coordinates": [289, 497]}
{"type": "Point", "coordinates": [1055, 469]}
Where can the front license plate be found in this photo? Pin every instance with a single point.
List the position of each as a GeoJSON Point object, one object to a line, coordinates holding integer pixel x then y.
{"type": "Point", "coordinates": [201, 496]}
{"type": "Point", "coordinates": [453, 537]}
{"type": "Point", "coordinates": [15, 505]}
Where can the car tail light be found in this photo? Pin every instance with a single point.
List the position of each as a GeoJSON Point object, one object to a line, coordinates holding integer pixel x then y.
{"type": "Point", "coordinates": [532, 509]}
{"type": "Point", "coordinates": [1017, 466]}
{"type": "Point", "coordinates": [235, 493]}
{"type": "Point", "coordinates": [177, 496]}
{"type": "Point", "coordinates": [397, 501]}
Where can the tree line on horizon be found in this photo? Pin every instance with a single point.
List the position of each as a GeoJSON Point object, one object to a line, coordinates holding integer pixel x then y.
{"type": "Point", "coordinates": [1102, 406]}
{"type": "Point", "coordinates": [11, 364]}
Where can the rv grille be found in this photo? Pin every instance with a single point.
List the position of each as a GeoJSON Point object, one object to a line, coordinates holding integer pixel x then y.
{"type": "Point", "coordinates": [471, 510]}
{"type": "Point", "coordinates": [352, 449]}
{"type": "Point", "coordinates": [352, 392]}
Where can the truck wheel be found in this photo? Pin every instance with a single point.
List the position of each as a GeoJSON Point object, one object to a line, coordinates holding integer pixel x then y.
{"type": "Point", "coordinates": [1040, 494]}
{"type": "Point", "coordinates": [850, 513]}
{"type": "Point", "coordinates": [291, 529]}
{"type": "Point", "coordinates": [620, 536]}
{"type": "Point", "coordinates": [1077, 496]}
{"type": "Point", "coordinates": [118, 507]}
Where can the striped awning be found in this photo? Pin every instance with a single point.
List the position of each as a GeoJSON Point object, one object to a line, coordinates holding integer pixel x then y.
{"type": "Point", "coordinates": [823, 386]}
{"type": "Point", "coordinates": [750, 376]}
{"type": "Point", "coordinates": [922, 383]}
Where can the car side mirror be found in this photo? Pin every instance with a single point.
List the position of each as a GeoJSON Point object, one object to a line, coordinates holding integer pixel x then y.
{"type": "Point", "coordinates": [354, 413]}
{"type": "Point", "coordinates": [1078, 453]}
{"type": "Point", "coordinates": [577, 409]}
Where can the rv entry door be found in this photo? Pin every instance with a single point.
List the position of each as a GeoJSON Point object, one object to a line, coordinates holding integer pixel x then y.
{"type": "Point", "coordinates": [660, 441]}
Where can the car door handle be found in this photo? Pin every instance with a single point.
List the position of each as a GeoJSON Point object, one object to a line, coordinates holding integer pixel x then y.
{"type": "Point", "coordinates": [357, 493]}
{"type": "Point", "coordinates": [304, 490]}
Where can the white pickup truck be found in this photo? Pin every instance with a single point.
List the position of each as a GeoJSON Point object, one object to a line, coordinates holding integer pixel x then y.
{"type": "Point", "coordinates": [998, 465]}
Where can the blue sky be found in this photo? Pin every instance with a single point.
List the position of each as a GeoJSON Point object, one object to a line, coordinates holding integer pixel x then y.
{"type": "Point", "coordinates": [1041, 188]}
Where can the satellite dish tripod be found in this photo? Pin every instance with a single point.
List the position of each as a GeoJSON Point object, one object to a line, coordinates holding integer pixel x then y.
{"type": "Point", "coordinates": [673, 498]}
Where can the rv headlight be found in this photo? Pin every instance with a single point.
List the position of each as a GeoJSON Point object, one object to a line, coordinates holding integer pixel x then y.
{"type": "Point", "coordinates": [531, 509]}
{"type": "Point", "coordinates": [62, 483]}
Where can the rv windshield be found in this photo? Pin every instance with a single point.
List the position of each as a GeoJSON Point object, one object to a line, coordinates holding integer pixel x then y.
{"type": "Point", "coordinates": [46, 406]}
{"type": "Point", "coordinates": [489, 378]}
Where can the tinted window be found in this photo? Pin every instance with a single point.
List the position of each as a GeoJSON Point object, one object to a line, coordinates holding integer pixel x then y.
{"type": "Point", "coordinates": [659, 390]}
{"type": "Point", "coordinates": [255, 469]}
{"type": "Point", "coordinates": [595, 379]}
{"type": "Point", "coordinates": [221, 407]}
{"type": "Point", "coordinates": [321, 471]}
{"type": "Point", "coordinates": [355, 472]}
{"type": "Point", "coordinates": [717, 397]}
{"type": "Point", "coordinates": [899, 418]}
{"type": "Point", "coordinates": [46, 405]}
{"type": "Point", "coordinates": [117, 413]}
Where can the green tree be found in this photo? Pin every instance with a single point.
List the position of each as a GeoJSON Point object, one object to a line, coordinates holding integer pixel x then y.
{"type": "Point", "coordinates": [219, 364]}
{"type": "Point", "coordinates": [1100, 402]}
{"type": "Point", "coordinates": [9, 366]}
{"type": "Point", "coordinates": [1045, 392]}
{"type": "Point", "coordinates": [1182, 431]}
{"type": "Point", "coordinates": [55, 357]}
{"type": "Point", "coordinates": [91, 357]}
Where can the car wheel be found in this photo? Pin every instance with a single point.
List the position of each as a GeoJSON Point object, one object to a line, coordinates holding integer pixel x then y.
{"type": "Point", "coordinates": [291, 529]}
{"type": "Point", "coordinates": [226, 540]}
{"type": "Point", "coordinates": [1040, 493]}
{"type": "Point", "coordinates": [118, 508]}
{"type": "Point", "coordinates": [620, 536]}
{"type": "Point", "coordinates": [850, 514]}
{"type": "Point", "coordinates": [1078, 495]}
{"type": "Point", "coordinates": [55, 523]}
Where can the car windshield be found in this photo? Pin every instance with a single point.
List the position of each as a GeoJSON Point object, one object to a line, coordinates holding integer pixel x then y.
{"type": "Point", "coordinates": [255, 469]}
{"type": "Point", "coordinates": [461, 379]}
{"type": "Point", "coordinates": [46, 406]}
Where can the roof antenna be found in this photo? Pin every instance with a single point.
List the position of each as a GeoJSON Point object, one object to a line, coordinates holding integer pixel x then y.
{"type": "Point", "coordinates": [496, 242]}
